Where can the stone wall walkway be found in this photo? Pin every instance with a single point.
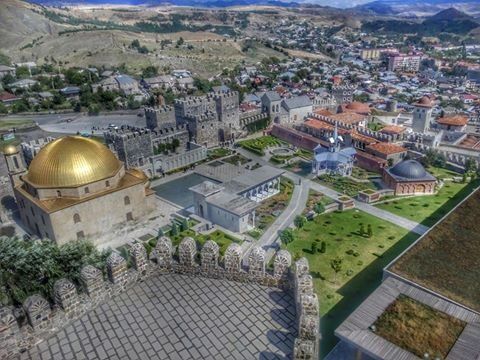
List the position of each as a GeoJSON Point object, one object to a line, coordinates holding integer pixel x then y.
{"type": "Point", "coordinates": [180, 317]}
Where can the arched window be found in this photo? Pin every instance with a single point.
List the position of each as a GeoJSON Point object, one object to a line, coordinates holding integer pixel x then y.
{"type": "Point", "coordinates": [107, 183]}
{"type": "Point", "coordinates": [76, 218]}
{"type": "Point", "coordinates": [87, 190]}
{"type": "Point", "coordinates": [59, 193]}
{"type": "Point", "coordinates": [126, 200]}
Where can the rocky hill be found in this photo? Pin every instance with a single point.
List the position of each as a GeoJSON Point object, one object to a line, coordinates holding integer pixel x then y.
{"type": "Point", "coordinates": [450, 21]}
{"type": "Point", "coordinates": [417, 8]}
{"type": "Point", "coordinates": [102, 37]}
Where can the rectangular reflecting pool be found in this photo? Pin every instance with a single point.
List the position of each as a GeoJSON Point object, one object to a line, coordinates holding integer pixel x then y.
{"type": "Point", "coordinates": [176, 191]}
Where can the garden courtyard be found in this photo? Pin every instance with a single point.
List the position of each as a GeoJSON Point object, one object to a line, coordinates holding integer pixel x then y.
{"type": "Point", "coordinates": [346, 185]}
{"type": "Point", "coordinates": [358, 246]}
{"type": "Point", "coordinates": [271, 208]}
{"type": "Point", "coordinates": [427, 210]}
{"type": "Point", "coordinates": [258, 145]}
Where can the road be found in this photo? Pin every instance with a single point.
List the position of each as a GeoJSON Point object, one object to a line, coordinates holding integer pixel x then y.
{"type": "Point", "coordinates": [269, 240]}
{"type": "Point", "coordinates": [72, 123]}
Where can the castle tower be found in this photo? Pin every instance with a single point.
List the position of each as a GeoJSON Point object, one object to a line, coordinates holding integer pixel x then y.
{"type": "Point", "coordinates": [422, 115]}
{"type": "Point", "coordinates": [15, 163]}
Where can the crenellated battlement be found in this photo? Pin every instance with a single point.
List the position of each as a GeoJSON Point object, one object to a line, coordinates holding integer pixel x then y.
{"type": "Point", "coordinates": [158, 109]}
{"type": "Point", "coordinates": [70, 303]}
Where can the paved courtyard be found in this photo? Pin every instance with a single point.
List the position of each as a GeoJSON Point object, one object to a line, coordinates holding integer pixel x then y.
{"type": "Point", "coordinates": [179, 317]}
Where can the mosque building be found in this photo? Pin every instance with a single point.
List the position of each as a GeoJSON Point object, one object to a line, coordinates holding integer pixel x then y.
{"type": "Point", "coordinates": [409, 177]}
{"type": "Point", "coordinates": [76, 188]}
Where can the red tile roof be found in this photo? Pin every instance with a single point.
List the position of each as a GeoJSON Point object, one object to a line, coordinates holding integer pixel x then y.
{"type": "Point", "coordinates": [455, 120]}
{"type": "Point", "coordinates": [348, 118]}
{"type": "Point", "coordinates": [425, 101]}
{"type": "Point", "coordinates": [393, 129]}
{"type": "Point", "coordinates": [5, 96]}
{"type": "Point", "coordinates": [356, 107]}
{"type": "Point", "coordinates": [323, 111]}
{"type": "Point", "coordinates": [318, 124]}
{"type": "Point", "coordinates": [363, 138]}
{"type": "Point", "coordinates": [386, 148]}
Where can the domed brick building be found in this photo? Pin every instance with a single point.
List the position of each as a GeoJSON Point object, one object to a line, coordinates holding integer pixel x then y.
{"type": "Point", "coordinates": [409, 177]}
{"type": "Point", "coordinates": [76, 188]}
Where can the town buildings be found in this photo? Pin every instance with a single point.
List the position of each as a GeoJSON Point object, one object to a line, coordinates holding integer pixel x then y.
{"type": "Point", "coordinates": [404, 62]}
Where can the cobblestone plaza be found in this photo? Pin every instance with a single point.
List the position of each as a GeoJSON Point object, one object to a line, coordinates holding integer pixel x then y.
{"type": "Point", "coordinates": [180, 317]}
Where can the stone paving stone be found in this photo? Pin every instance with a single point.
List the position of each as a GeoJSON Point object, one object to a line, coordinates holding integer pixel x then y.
{"type": "Point", "coordinates": [180, 317]}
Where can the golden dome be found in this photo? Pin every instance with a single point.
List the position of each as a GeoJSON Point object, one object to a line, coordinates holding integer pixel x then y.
{"type": "Point", "coordinates": [72, 161]}
{"type": "Point", "coordinates": [10, 150]}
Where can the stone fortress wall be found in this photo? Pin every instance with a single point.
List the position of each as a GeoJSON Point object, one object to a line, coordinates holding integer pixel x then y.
{"type": "Point", "coordinates": [135, 147]}
{"type": "Point", "coordinates": [132, 145]}
{"type": "Point", "coordinates": [160, 117]}
{"type": "Point", "coordinates": [44, 319]}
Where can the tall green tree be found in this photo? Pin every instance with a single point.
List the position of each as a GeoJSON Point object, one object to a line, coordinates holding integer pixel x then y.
{"type": "Point", "coordinates": [28, 267]}
{"type": "Point", "coordinates": [287, 236]}
{"type": "Point", "coordinates": [299, 221]}
{"type": "Point", "coordinates": [337, 265]}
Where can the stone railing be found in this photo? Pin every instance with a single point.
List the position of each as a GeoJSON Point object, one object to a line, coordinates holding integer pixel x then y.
{"type": "Point", "coordinates": [230, 269]}
{"type": "Point", "coordinates": [308, 314]}
{"type": "Point", "coordinates": [43, 319]}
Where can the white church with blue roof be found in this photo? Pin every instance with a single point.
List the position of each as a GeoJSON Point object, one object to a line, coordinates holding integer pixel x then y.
{"type": "Point", "coordinates": [333, 160]}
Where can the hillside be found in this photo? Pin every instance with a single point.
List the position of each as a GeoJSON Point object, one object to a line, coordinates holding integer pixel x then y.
{"type": "Point", "coordinates": [20, 24]}
{"type": "Point", "coordinates": [101, 37]}
{"type": "Point", "coordinates": [417, 8]}
{"type": "Point", "coordinates": [450, 21]}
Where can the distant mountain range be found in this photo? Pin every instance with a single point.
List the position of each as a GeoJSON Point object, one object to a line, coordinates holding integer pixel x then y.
{"type": "Point", "coordinates": [449, 20]}
{"type": "Point", "coordinates": [380, 7]}
{"type": "Point", "coordinates": [193, 3]}
{"type": "Point", "coordinates": [417, 8]}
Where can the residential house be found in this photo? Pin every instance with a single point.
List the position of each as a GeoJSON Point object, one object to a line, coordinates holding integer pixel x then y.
{"type": "Point", "coordinates": [6, 70]}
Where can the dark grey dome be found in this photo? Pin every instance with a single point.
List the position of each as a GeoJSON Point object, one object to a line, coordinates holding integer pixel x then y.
{"type": "Point", "coordinates": [409, 169]}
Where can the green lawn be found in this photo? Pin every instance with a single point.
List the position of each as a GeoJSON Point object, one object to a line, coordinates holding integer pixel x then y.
{"type": "Point", "coordinates": [363, 259]}
{"type": "Point", "coordinates": [427, 210]}
{"type": "Point", "coordinates": [442, 173]}
{"type": "Point", "coordinates": [20, 123]}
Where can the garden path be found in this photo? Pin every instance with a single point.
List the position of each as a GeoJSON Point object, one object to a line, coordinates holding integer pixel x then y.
{"type": "Point", "coordinates": [382, 214]}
